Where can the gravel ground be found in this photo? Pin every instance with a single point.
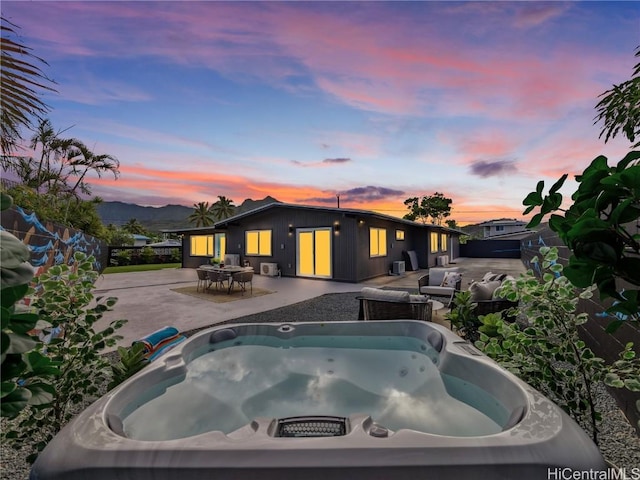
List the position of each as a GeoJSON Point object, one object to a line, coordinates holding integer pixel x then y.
{"type": "Point", "coordinates": [619, 442]}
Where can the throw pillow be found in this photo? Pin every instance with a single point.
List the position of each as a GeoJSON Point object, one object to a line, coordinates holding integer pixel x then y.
{"type": "Point", "coordinates": [450, 279]}
{"type": "Point", "coordinates": [492, 277]}
{"type": "Point", "coordinates": [481, 291]}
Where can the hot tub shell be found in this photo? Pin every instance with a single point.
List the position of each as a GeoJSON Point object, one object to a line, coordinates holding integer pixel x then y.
{"type": "Point", "coordinates": [538, 436]}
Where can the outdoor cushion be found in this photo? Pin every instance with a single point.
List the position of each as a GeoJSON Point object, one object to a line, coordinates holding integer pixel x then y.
{"type": "Point", "coordinates": [491, 277]}
{"type": "Point", "coordinates": [387, 295]}
{"type": "Point", "coordinates": [437, 291]}
{"type": "Point", "coordinates": [481, 291]}
{"type": "Point", "coordinates": [450, 279]}
{"type": "Point", "coordinates": [436, 274]}
{"type": "Point", "coordinates": [418, 298]}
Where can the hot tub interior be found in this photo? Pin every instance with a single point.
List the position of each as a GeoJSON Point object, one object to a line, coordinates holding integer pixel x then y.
{"type": "Point", "coordinates": [237, 377]}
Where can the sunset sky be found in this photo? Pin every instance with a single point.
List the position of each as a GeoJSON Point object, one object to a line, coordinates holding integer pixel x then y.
{"type": "Point", "coordinates": [373, 101]}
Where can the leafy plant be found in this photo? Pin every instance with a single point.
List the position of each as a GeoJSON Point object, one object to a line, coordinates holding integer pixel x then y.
{"type": "Point", "coordinates": [131, 361]}
{"type": "Point", "coordinates": [62, 296]}
{"type": "Point", "coordinates": [22, 80]}
{"type": "Point", "coordinates": [147, 255]}
{"type": "Point", "coordinates": [176, 255]}
{"type": "Point", "coordinates": [123, 257]}
{"type": "Point", "coordinates": [599, 230]}
{"type": "Point", "coordinates": [26, 372]}
{"type": "Point", "coordinates": [619, 108]}
{"type": "Point", "coordinates": [462, 316]}
{"type": "Point", "coordinates": [548, 353]}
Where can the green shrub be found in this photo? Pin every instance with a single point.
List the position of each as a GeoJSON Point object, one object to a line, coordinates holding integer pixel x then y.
{"type": "Point", "coordinates": [462, 316]}
{"type": "Point", "coordinates": [123, 257]}
{"type": "Point", "coordinates": [131, 360]}
{"type": "Point", "coordinates": [62, 297]}
{"type": "Point", "coordinates": [548, 353]}
{"type": "Point", "coordinates": [176, 255]}
{"type": "Point", "coordinates": [148, 255]}
{"type": "Point", "coordinates": [27, 374]}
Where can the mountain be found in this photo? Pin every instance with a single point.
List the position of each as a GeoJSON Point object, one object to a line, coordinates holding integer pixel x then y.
{"type": "Point", "coordinates": [161, 218]}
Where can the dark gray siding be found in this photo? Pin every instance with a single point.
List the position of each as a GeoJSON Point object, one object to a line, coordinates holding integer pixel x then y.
{"type": "Point", "coordinates": [279, 221]}
{"type": "Point", "coordinates": [351, 261]}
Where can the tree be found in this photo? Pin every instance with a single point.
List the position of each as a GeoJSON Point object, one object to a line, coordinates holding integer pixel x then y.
{"type": "Point", "coordinates": [452, 224]}
{"type": "Point", "coordinates": [82, 160]}
{"type": "Point", "coordinates": [118, 237]}
{"type": "Point", "coordinates": [134, 227]}
{"type": "Point", "coordinates": [202, 215]}
{"type": "Point", "coordinates": [600, 227]}
{"type": "Point", "coordinates": [436, 206]}
{"type": "Point", "coordinates": [619, 108]}
{"type": "Point", "coordinates": [223, 208]}
{"type": "Point", "coordinates": [20, 81]}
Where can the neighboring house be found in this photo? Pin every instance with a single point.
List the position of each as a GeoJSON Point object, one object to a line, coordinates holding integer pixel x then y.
{"type": "Point", "coordinates": [505, 226]}
{"type": "Point", "coordinates": [318, 242]}
{"type": "Point", "coordinates": [140, 240]}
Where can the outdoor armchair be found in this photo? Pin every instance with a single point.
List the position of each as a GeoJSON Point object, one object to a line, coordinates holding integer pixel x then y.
{"type": "Point", "coordinates": [378, 304]}
{"type": "Point", "coordinates": [442, 283]}
{"type": "Point", "coordinates": [242, 279]}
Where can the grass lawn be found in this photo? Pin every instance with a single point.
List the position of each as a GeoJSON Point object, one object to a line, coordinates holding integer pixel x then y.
{"type": "Point", "coordinates": [140, 268]}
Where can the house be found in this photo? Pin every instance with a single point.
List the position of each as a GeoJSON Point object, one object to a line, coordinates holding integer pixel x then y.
{"type": "Point", "coordinates": [338, 244]}
{"type": "Point", "coordinates": [140, 240]}
{"type": "Point", "coordinates": [504, 226]}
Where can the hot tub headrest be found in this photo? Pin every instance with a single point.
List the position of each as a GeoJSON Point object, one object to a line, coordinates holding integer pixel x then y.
{"type": "Point", "coordinates": [436, 340]}
{"type": "Point", "coordinates": [223, 335]}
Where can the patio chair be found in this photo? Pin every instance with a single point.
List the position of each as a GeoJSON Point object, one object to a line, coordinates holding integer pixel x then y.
{"type": "Point", "coordinates": [378, 304]}
{"type": "Point", "coordinates": [203, 280]}
{"type": "Point", "coordinates": [385, 310]}
{"type": "Point", "coordinates": [242, 279]}
{"type": "Point", "coordinates": [217, 278]}
{"type": "Point", "coordinates": [442, 283]}
{"type": "Point", "coordinates": [486, 296]}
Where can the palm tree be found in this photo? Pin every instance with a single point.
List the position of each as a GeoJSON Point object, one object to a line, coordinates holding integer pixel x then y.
{"type": "Point", "coordinates": [84, 160]}
{"type": "Point", "coordinates": [223, 208]}
{"type": "Point", "coordinates": [134, 227]}
{"type": "Point", "coordinates": [202, 215]}
{"type": "Point", "coordinates": [20, 79]}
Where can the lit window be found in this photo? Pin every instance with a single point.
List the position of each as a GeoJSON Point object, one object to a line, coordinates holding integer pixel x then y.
{"type": "Point", "coordinates": [377, 242]}
{"type": "Point", "coordinates": [258, 242]}
{"type": "Point", "coordinates": [443, 242]}
{"type": "Point", "coordinates": [433, 241]}
{"type": "Point", "coordinates": [202, 246]}
{"type": "Point", "coordinates": [399, 234]}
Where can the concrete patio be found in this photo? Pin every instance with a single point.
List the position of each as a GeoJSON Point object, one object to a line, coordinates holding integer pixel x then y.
{"type": "Point", "coordinates": [147, 301]}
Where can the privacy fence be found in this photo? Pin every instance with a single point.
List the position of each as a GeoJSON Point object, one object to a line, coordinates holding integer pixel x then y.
{"type": "Point", "coordinates": [144, 254]}
{"type": "Point", "coordinates": [50, 243]}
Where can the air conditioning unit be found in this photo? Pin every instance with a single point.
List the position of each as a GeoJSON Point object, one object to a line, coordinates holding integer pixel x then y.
{"type": "Point", "coordinates": [443, 260]}
{"type": "Point", "coordinates": [398, 268]}
{"type": "Point", "coordinates": [269, 269]}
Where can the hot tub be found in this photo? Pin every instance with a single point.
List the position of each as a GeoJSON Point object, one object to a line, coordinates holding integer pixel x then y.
{"type": "Point", "coordinates": [354, 400]}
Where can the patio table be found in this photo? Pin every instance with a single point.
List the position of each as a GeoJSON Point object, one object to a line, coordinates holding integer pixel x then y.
{"type": "Point", "coordinates": [230, 270]}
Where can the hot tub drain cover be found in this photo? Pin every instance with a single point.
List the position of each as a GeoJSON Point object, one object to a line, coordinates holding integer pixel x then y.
{"type": "Point", "coordinates": [311, 427]}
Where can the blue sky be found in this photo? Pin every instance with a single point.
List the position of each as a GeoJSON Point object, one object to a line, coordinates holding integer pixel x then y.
{"type": "Point", "coordinates": [374, 101]}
